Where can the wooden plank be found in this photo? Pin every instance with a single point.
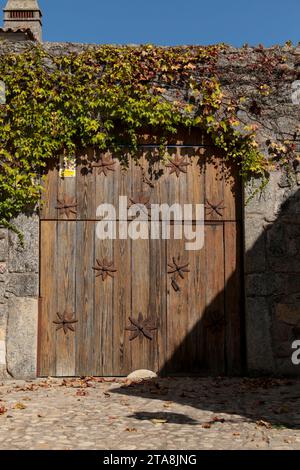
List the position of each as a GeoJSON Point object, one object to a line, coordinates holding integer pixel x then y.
{"type": "Point", "coordinates": [66, 193]}
{"type": "Point", "coordinates": [49, 194]}
{"type": "Point", "coordinates": [140, 348]}
{"type": "Point", "coordinates": [232, 192]}
{"type": "Point", "coordinates": [102, 323]}
{"type": "Point", "coordinates": [167, 188]}
{"type": "Point", "coordinates": [48, 289]}
{"type": "Point", "coordinates": [214, 315]}
{"type": "Point", "coordinates": [177, 312]}
{"type": "Point", "coordinates": [121, 308]}
{"type": "Point", "coordinates": [116, 183]}
{"type": "Point", "coordinates": [86, 338]}
{"type": "Point", "coordinates": [137, 185]}
{"type": "Point", "coordinates": [233, 297]}
{"type": "Point", "coordinates": [104, 249]}
{"type": "Point", "coordinates": [66, 288]}
{"type": "Point", "coordinates": [214, 185]}
{"type": "Point", "coordinates": [158, 300]}
{"type": "Point", "coordinates": [86, 187]}
{"type": "Point", "coordinates": [195, 182]}
{"type": "Point", "coordinates": [185, 344]}
{"type": "Point", "coordinates": [196, 307]}
{"type": "Point", "coordinates": [190, 184]}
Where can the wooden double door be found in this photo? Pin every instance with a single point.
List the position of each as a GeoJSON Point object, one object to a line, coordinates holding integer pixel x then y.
{"type": "Point", "coordinates": [108, 307]}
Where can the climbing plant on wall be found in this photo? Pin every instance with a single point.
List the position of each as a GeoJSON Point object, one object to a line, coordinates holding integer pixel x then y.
{"type": "Point", "coordinates": [58, 103]}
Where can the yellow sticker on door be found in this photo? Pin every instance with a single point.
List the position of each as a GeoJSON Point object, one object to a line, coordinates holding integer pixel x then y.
{"type": "Point", "coordinates": [67, 167]}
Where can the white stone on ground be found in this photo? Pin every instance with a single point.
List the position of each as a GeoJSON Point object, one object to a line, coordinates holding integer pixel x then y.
{"type": "Point", "coordinates": [142, 374]}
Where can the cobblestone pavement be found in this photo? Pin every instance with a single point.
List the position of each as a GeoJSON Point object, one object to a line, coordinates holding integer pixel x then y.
{"type": "Point", "coordinates": [156, 414]}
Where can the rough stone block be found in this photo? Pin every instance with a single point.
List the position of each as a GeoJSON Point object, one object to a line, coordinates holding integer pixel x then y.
{"type": "Point", "coordinates": [284, 350]}
{"type": "Point", "coordinates": [264, 202]}
{"type": "Point", "coordinates": [261, 284]}
{"type": "Point", "coordinates": [285, 264]}
{"type": "Point", "coordinates": [3, 320]}
{"type": "Point", "coordinates": [276, 240]}
{"type": "Point", "coordinates": [21, 350]}
{"type": "Point", "coordinates": [2, 293]}
{"type": "Point", "coordinates": [288, 313]}
{"type": "Point", "coordinates": [2, 334]}
{"type": "Point", "coordinates": [3, 270]}
{"type": "Point", "coordinates": [23, 285]}
{"type": "Point", "coordinates": [283, 337]}
{"type": "Point", "coordinates": [25, 259]}
{"type": "Point", "coordinates": [3, 373]}
{"type": "Point", "coordinates": [284, 366]}
{"type": "Point", "coordinates": [2, 353]}
{"type": "Point", "coordinates": [285, 181]}
{"type": "Point", "coordinates": [3, 248]}
{"type": "Point", "coordinates": [259, 340]}
{"type": "Point", "coordinates": [255, 250]}
{"type": "Point", "coordinates": [286, 284]}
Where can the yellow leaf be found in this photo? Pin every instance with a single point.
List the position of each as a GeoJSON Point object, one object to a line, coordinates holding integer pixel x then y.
{"type": "Point", "coordinates": [19, 406]}
{"type": "Point", "coordinates": [159, 421]}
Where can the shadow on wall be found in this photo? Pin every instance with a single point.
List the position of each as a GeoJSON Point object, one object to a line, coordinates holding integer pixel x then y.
{"type": "Point", "coordinates": [273, 304]}
{"type": "Point", "coordinates": [277, 289]}
{"type": "Point", "coordinates": [215, 345]}
{"type": "Point", "coordinates": [272, 317]}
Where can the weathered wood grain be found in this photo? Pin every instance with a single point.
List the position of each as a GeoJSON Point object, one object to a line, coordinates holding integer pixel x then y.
{"type": "Point", "coordinates": [199, 328]}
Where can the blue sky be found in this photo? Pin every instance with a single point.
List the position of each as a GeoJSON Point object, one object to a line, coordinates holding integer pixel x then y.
{"type": "Point", "coordinates": [171, 22]}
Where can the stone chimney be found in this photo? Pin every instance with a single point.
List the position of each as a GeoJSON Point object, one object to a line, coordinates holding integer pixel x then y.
{"type": "Point", "coordinates": [22, 15]}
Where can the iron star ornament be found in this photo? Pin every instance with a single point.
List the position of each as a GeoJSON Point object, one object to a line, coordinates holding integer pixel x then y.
{"type": "Point", "coordinates": [104, 165]}
{"type": "Point", "coordinates": [104, 268]}
{"type": "Point", "coordinates": [178, 165]}
{"type": "Point", "coordinates": [65, 321]}
{"type": "Point", "coordinates": [141, 327]}
{"type": "Point", "coordinates": [67, 206]}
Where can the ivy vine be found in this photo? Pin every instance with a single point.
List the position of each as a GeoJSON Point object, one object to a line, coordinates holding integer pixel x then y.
{"type": "Point", "coordinates": [58, 103]}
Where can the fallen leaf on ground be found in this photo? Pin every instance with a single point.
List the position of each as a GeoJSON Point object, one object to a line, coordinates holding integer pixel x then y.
{"type": "Point", "coordinates": [206, 425]}
{"type": "Point", "coordinates": [131, 430]}
{"type": "Point", "coordinates": [264, 424]}
{"type": "Point", "coordinates": [81, 393]}
{"type": "Point", "coordinates": [168, 405]}
{"type": "Point", "coordinates": [2, 410]}
{"type": "Point", "coordinates": [216, 419]}
{"type": "Point", "coordinates": [77, 383]}
{"type": "Point", "coordinates": [19, 406]}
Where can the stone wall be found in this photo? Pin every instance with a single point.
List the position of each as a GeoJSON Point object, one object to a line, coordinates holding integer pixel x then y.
{"type": "Point", "coordinates": [272, 276]}
{"type": "Point", "coordinates": [19, 289]}
{"type": "Point", "coordinates": [3, 299]}
{"type": "Point", "coordinates": [272, 223]}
